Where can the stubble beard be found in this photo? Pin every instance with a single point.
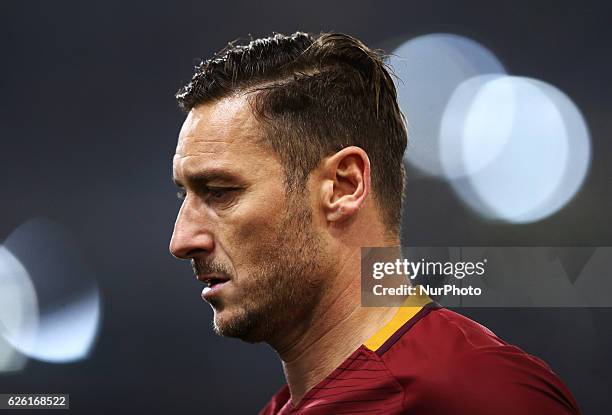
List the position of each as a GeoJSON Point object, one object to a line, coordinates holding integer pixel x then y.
{"type": "Point", "coordinates": [286, 285]}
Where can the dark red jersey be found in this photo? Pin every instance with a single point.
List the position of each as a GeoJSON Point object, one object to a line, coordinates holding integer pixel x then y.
{"type": "Point", "coordinates": [428, 361]}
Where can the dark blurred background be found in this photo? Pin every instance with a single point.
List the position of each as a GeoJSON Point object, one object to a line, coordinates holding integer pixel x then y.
{"type": "Point", "coordinates": [89, 125]}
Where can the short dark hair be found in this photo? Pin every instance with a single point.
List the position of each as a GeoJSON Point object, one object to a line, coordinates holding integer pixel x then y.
{"type": "Point", "coordinates": [314, 94]}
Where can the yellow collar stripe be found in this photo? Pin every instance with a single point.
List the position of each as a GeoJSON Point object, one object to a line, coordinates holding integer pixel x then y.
{"type": "Point", "coordinates": [408, 310]}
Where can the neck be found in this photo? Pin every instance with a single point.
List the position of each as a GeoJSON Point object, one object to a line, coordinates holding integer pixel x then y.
{"type": "Point", "coordinates": [339, 326]}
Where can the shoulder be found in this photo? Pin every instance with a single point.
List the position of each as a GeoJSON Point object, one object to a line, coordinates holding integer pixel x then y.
{"type": "Point", "coordinates": [276, 404]}
{"type": "Point", "coordinates": [448, 363]}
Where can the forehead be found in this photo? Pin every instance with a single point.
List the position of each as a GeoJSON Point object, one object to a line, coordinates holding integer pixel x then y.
{"type": "Point", "coordinates": [220, 135]}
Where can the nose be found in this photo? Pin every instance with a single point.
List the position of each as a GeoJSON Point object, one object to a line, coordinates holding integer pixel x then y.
{"type": "Point", "coordinates": [192, 235]}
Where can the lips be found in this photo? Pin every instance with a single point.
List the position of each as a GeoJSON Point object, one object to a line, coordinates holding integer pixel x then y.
{"type": "Point", "coordinates": [213, 284]}
{"type": "Point", "coordinates": [212, 280]}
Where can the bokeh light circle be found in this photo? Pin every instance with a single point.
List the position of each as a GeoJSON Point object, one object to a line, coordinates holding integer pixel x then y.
{"type": "Point", "coordinates": [18, 311]}
{"type": "Point", "coordinates": [63, 326]}
{"type": "Point", "coordinates": [429, 69]}
{"type": "Point", "coordinates": [525, 147]}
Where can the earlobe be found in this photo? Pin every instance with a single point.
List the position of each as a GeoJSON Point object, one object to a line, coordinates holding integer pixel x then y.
{"type": "Point", "coordinates": [335, 215]}
{"type": "Point", "coordinates": [342, 211]}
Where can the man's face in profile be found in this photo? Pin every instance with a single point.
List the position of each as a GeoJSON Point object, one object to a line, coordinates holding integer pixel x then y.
{"type": "Point", "coordinates": [255, 247]}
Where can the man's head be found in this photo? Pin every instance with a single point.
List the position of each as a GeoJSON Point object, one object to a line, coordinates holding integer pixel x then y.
{"type": "Point", "coordinates": [275, 158]}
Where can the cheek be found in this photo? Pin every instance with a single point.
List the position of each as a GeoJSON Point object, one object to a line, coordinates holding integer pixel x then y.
{"type": "Point", "coordinates": [250, 234]}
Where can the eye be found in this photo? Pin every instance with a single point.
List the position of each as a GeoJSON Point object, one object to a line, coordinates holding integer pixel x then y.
{"type": "Point", "coordinates": [219, 192]}
{"type": "Point", "coordinates": [221, 195]}
{"type": "Point", "coordinates": [181, 194]}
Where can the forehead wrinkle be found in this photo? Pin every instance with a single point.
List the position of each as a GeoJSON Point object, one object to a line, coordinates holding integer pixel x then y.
{"type": "Point", "coordinates": [203, 148]}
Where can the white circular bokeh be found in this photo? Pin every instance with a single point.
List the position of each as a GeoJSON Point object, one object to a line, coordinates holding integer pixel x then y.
{"type": "Point", "coordinates": [525, 147]}
{"type": "Point", "coordinates": [18, 311]}
{"type": "Point", "coordinates": [429, 69]}
{"type": "Point", "coordinates": [56, 313]}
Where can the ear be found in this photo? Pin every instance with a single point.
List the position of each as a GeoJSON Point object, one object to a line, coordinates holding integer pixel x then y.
{"type": "Point", "coordinates": [346, 183]}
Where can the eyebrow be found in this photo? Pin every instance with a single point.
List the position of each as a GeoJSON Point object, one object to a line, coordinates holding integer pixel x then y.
{"type": "Point", "coordinates": [202, 178]}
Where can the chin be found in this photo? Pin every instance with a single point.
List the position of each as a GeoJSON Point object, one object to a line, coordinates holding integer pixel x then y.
{"type": "Point", "coordinates": [237, 324]}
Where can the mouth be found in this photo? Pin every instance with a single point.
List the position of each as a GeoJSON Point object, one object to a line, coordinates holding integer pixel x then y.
{"type": "Point", "coordinates": [213, 284]}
